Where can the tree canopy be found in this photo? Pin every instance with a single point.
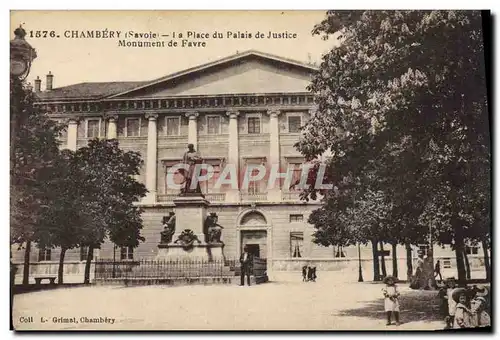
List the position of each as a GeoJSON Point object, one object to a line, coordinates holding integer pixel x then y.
{"type": "Point", "coordinates": [403, 99]}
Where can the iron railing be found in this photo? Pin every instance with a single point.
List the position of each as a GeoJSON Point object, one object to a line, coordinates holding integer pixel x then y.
{"type": "Point", "coordinates": [164, 269]}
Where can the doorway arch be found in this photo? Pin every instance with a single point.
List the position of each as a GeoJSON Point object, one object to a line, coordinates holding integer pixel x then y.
{"type": "Point", "coordinates": [254, 228]}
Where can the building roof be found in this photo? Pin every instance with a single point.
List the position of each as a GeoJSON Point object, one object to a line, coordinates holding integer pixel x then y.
{"type": "Point", "coordinates": [100, 90]}
{"type": "Point", "coordinates": [89, 90]}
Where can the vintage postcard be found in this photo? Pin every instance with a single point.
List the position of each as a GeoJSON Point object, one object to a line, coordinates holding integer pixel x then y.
{"type": "Point", "coordinates": [250, 170]}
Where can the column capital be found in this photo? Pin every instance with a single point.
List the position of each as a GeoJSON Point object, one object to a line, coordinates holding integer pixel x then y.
{"type": "Point", "coordinates": [112, 117]}
{"type": "Point", "coordinates": [72, 120]}
{"type": "Point", "coordinates": [233, 114]}
{"type": "Point", "coordinates": [151, 116]}
{"type": "Point", "coordinates": [273, 112]}
{"type": "Point", "coordinates": [192, 115]}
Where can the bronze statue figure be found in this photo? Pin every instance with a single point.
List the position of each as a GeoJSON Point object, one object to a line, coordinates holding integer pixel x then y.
{"type": "Point", "coordinates": [212, 229]}
{"type": "Point", "coordinates": [168, 223]}
{"type": "Point", "coordinates": [191, 158]}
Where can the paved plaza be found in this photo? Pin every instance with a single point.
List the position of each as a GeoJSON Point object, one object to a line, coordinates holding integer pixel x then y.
{"type": "Point", "coordinates": [287, 304]}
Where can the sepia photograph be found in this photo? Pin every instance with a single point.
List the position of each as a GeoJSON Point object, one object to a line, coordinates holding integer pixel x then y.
{"type": "Point", "coordinates": [284, 170]}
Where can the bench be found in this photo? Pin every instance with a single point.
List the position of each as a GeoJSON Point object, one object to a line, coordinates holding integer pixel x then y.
{"type": "Point", "coordinates": [39, 279]}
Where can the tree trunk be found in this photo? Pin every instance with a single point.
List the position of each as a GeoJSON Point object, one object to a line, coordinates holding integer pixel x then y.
{"type": "Point", "coordinates": [409, 262]}
{"type": "Point", "coordinates": [486, 260]}
{"type": "Point", "coordinates": [459, 251]}
{"type": "Point", "coordinates": [26, 268]}
{"type": "Point", "coordinates": [90, 256]}
{"type": "Point", "coordinates": [376, 268]}
{"type": "Point", "coordinates": [382, 259]}
{"type": "Point", "coordinates": [467, 266]}
{"type": "Point", "coordinates": [60, 272]}
{"type": "Point", "coordinates": [394, 260]}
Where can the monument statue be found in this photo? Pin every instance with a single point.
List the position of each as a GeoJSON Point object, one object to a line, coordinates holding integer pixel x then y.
{"type": "Point", "coordinates": [191, 158]}
{"type": "Point", "coordinates": [168, 223]}
{"type": "Point", "coordinates": [212, 229]}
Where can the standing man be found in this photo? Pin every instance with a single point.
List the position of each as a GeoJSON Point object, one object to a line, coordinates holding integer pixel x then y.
{"type": "Point", "coordinates": [437, 271]}
{"type": "Point", "coordinates": [246, 260]}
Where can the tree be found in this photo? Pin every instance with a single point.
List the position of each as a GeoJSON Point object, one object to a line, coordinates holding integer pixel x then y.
{"type": "Point", "coordinates": [109, 194]}
{"type": "Point", "coordinates": [406, 91]}
{"type": "Point", "coordinates": [34, 146]}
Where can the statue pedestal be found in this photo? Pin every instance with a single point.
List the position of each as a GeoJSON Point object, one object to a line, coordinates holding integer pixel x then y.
{"type": "Point", "coordinates": [216, 251]}
{"type": "Point", "coordinates": [190, 214]}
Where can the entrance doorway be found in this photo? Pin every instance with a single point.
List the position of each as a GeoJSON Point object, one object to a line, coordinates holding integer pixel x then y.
{"type": "Point", "coordinates": [254, 249]}
{"type": "Point", "coordinates": [256, 241]}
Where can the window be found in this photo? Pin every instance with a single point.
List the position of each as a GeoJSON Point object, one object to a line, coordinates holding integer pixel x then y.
{"type": "Point", "coordinates": [296, 243]}
{"type": "Point", "coordinates": [127, 253]}
{"type": "Point", "coordinates": [296, 218]}
{"type": "Point", "coordinates": [132, 127]}
{"type": "Point", "coordinates": [339, 251]}
{"type": "Point", "coordinates": [210, 183]}
{"type": "Point", "coordinates": [44, 254]}
{"type": "Point", "coordinates": [424, 248]}
{"type": "Point", "coordinates": [213, 125]}
{"type": "Point", "coordinates": [294, 123]}
{"type": "Point", "coordinates": [254, 186]}
{"type": "Point", "coordinates": [83, 253]}
{"type": "Point", "coordinates": [296, 174]}
{"type": "Point", "coordinates": [447, 263]}
{"type": "Point", "coordinates": [172, 126]}
{"type": "Point", "coordinates": [93, 126]}
{"type": "Point", "coordinates": [253, 124]}
{"type": "Point", "coordinates": [177, 178]}
{"type": "Point", "coordinates": [471, 250]}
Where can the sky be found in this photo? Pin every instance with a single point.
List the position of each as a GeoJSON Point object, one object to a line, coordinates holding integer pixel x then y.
{"type": "Point", "coordinates": [75, 60]}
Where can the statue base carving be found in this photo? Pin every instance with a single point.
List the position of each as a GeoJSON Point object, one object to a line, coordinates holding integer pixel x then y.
{"type": "Point", "coordinates": [198, 252]}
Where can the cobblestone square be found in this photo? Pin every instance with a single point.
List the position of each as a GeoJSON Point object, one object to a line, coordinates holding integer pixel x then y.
{"type": "Point", "coordinates": [288, 304]}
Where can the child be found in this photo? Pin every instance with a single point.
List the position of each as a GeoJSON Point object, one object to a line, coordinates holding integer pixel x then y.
{"type": "Point", "coordinates": [391, 301]}
{"type": "Point", "coordinates": [479, 315]}
{"type": "Point", "coordinates": [452, 305]}
{"type": "Point", "coordinates": [462, 312]}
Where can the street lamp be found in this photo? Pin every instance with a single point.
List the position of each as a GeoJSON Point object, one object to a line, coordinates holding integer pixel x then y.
{"type": "Point", "coordinates": [360, 274]}
{"type": "Point", "coordinates": [21, 55]}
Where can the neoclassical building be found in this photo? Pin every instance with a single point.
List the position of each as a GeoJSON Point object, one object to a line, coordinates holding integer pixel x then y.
{"type": "Point", "coordinates": [243, 109]}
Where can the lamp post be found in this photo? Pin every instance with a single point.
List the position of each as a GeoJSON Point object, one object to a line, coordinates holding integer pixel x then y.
{"type": "Point", "coordinates": [360, 277]}
{"type": "Point", "coordinates": [21, 55]}
{"type": "Point", "coordinates": [21, 58]}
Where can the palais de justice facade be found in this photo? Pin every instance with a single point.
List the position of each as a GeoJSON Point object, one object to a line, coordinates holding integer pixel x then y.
{"type": "Point", "coordinates": [243, 109]}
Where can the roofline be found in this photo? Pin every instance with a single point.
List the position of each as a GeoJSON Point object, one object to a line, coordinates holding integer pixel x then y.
{"type": "Point", "coordinates": [215, 63]}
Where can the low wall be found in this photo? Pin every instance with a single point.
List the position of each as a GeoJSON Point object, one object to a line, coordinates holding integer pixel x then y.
{"type": "Point", "coordinates": [349, 267]}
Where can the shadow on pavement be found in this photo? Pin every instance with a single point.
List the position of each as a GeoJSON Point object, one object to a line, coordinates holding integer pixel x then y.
{"type": "Point", "coordinates": [414, 306]}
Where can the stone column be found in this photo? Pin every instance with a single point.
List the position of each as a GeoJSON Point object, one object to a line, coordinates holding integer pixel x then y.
{"type": "Point", "coordinates": [112, 120]}
{"type": "Point", "coordinates": [233, 195]}
{"type": "Point", "coordinates": [151, 159]}
{"type": "Point", "coordinates": [72, 133]}
{"type": "Point", "coordinates": [274, 194]}
{"type": "Point", "coordinates": [193, 128]}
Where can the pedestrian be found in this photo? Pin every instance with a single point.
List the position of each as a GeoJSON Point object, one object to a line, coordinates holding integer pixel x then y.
{"type": "Point", "coordinates": [246, 261]}
{"type": "Point", "coordinates": [304, 273]}
{"type": "Point", "coordinates": [479, 315]}
{"type": "Point", "coordinates": [463, 315]}
{"type": "Point", "coordinates": [391, 299]}
{"type": "Point", "coordinates": [452, 305]}
{"type": "Point", "coordinates": [437, 271]}
{"type": "Point", "coordinates": [311, 274]}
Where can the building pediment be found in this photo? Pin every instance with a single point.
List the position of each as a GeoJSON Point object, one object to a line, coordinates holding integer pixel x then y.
{"type": "Point", "coordinates": [248, 73]}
